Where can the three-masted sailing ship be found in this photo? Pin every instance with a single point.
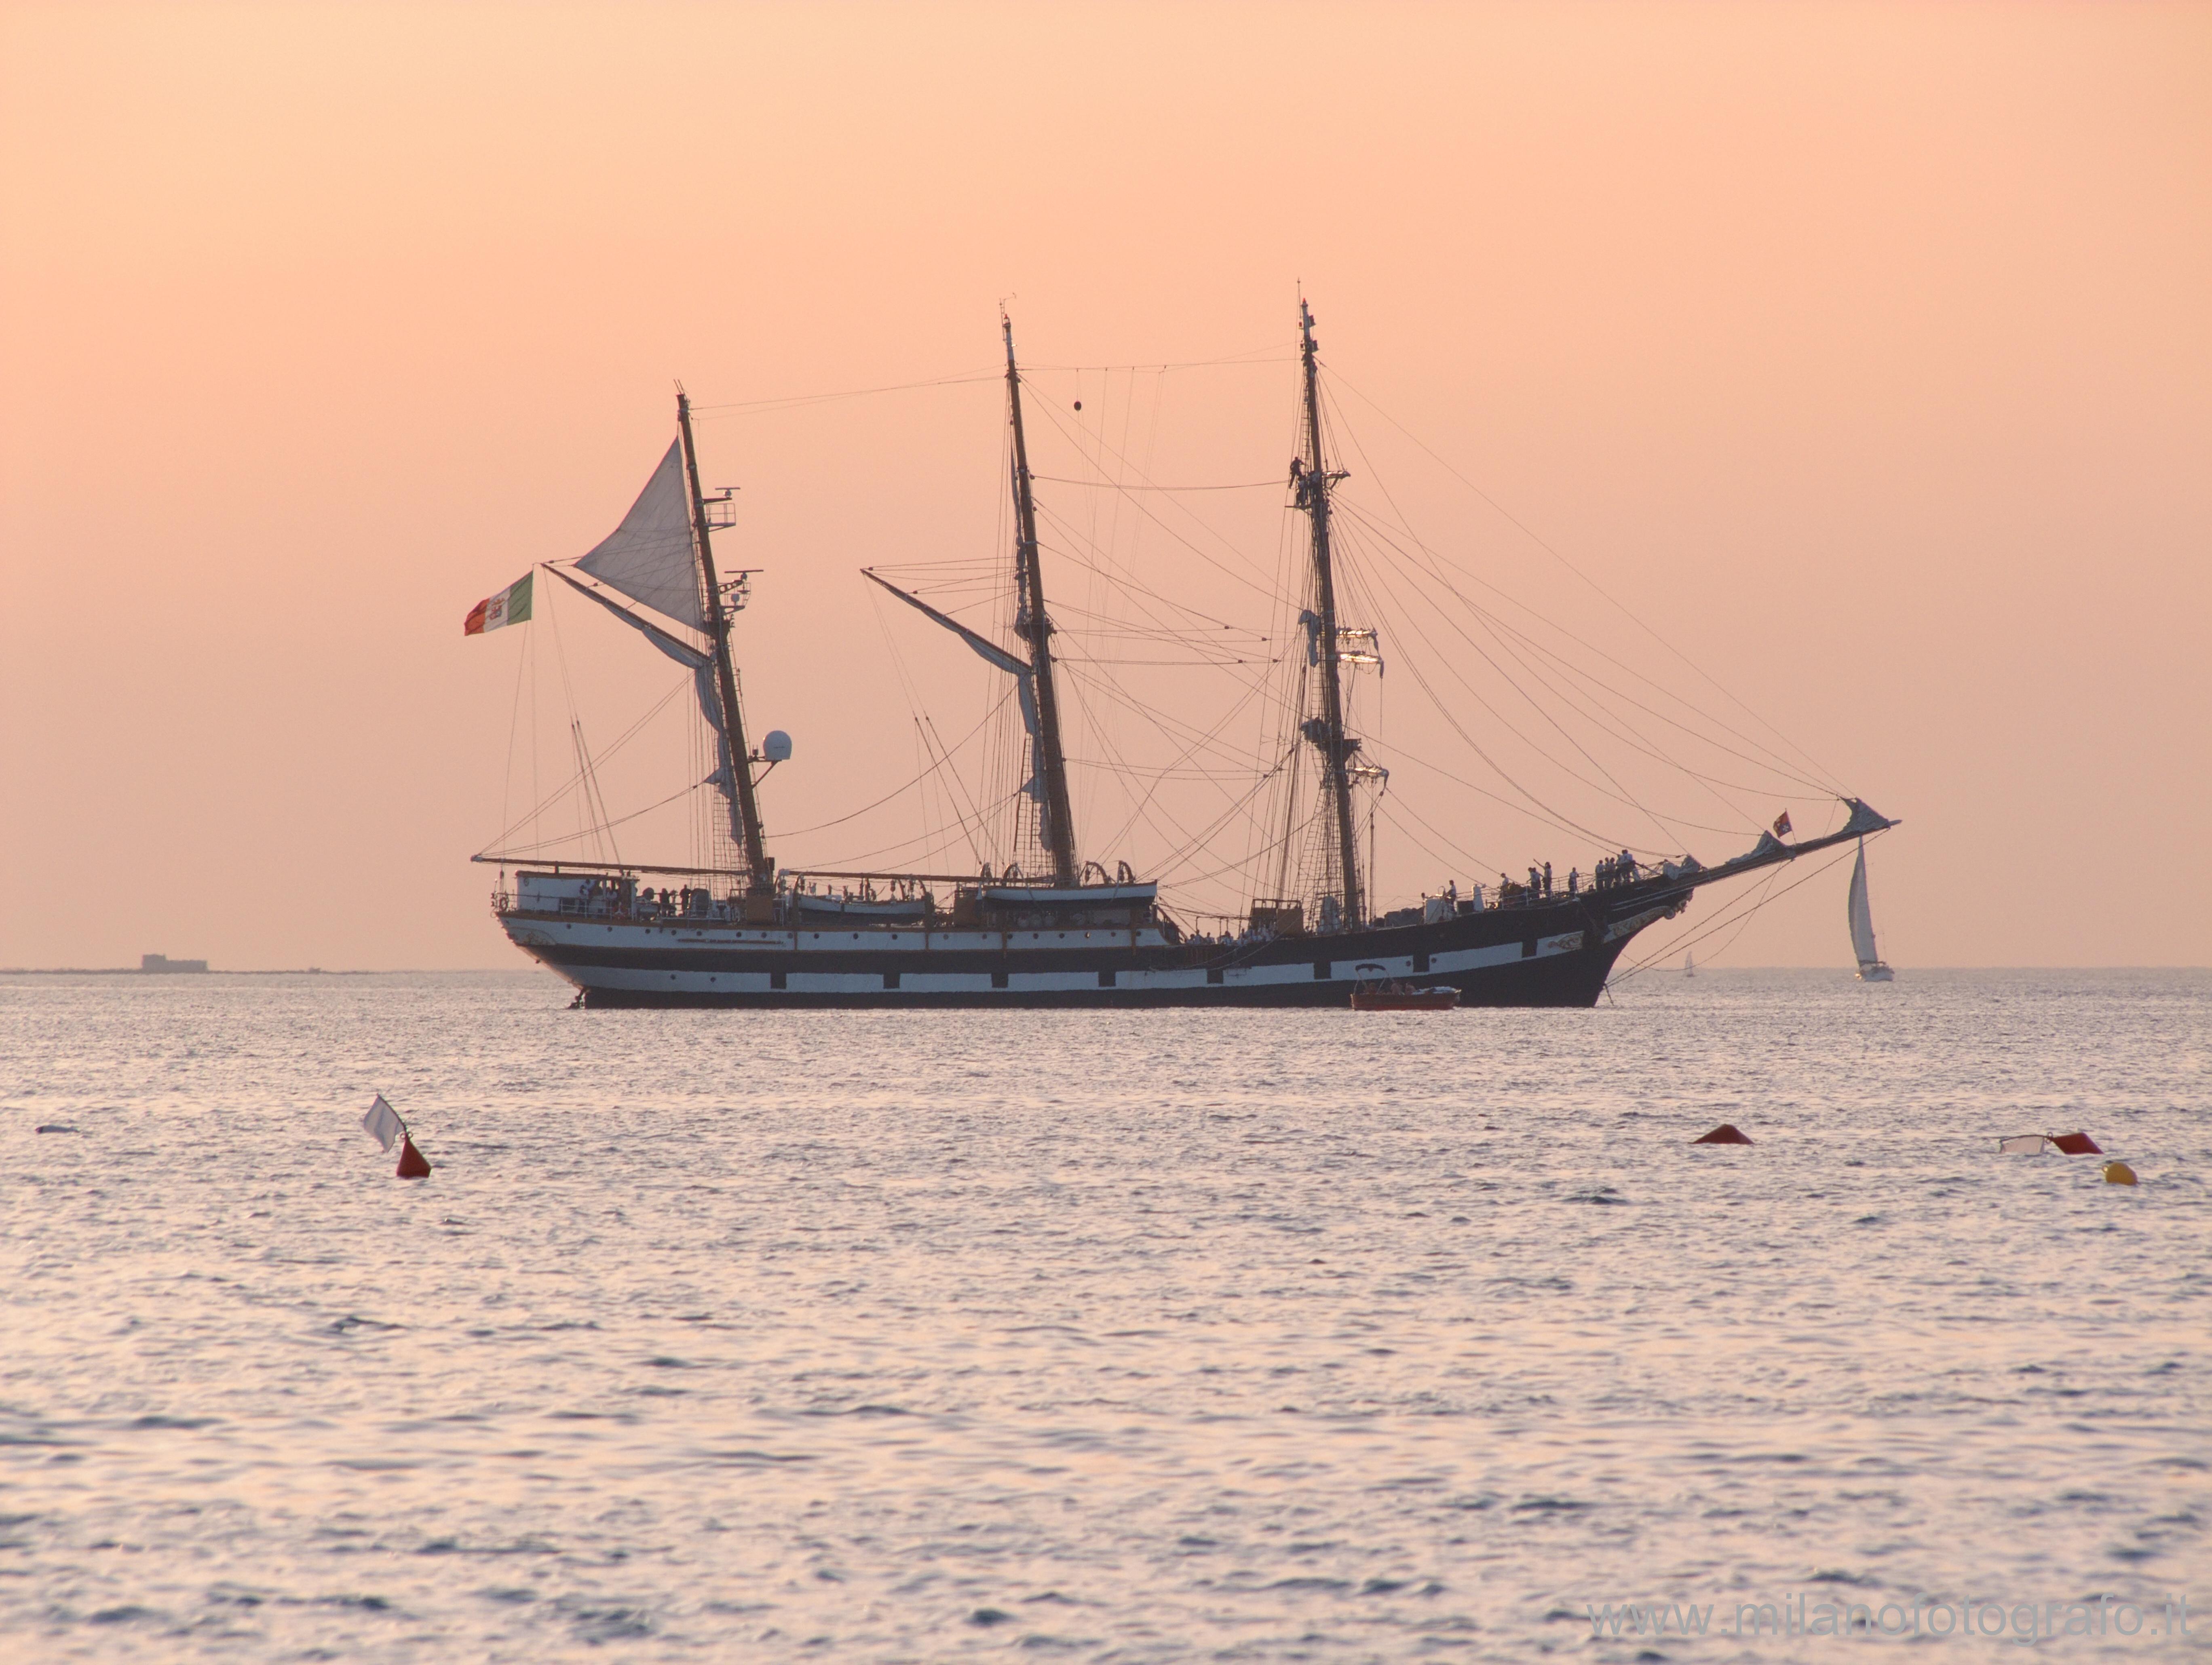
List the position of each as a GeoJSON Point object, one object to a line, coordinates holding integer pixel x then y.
{"type": "Point", "coordinates": [754, 932]}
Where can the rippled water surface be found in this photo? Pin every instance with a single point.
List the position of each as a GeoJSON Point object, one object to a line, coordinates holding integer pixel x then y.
{"type": "Point", "coordinates": [1132, 1336]}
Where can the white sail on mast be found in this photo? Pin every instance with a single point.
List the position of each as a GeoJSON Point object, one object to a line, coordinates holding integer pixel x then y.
{"type": "Point", "coordinates": [701, 665]}
{"type": "Point", "coordinates": [649, 557]}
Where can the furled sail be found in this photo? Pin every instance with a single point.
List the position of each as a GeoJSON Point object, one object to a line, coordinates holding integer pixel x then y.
{"type": "Point", "coordinates": [701, 665]}
{"type": "Point", "coordinates": [649, 557]}
{"type": "Point", "coordinates": [682, 652]}
{"type": "Point", "coordinates": [1025, 676]}
{"type": "Point", "coordinates": [723, 780]}
{"type": "Point", "coordinates": [1862, 917]}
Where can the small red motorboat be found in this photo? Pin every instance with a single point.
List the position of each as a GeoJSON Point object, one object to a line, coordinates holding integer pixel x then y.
{"type": "Point", "coordinates": [1382, 996]}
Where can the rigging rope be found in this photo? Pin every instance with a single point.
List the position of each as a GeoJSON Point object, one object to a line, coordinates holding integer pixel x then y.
{"type": "Point", "coordinates": [536, 849]}
{"type": "Point", "coordinates": [1118, 485]}
{"type": "Point", "coordinates": [1614, 788]}
{"type": "Point", "coordinates": [1758, 900]}
{"type": "Point", "coordinates": [743, 407]}
{"type": "Point", "coordinates": [1176, 858]}
{"type": "Point", "coordinates": [1444, 862]}
{"type": "Point", "coordinates": [1235, 360]}
{"type": "Point", "coordinates": [1668, 826]}
{"type": "Point", "coordinates": [821, 827]}
{"type": "Point", "coordinates": [1053, 416]}
{"type": "Point", "coordinates": [1496, 623]}
{"type": "Point", "coordinates": [1337, 377]}
{"type": "Point", "coordinates": [575, 781]}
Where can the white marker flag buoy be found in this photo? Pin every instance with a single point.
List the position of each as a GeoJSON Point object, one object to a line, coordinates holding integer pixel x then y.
{"type": "Point", "coordinates": [2032, 1144]}
{"type": "Point", "coordinates": [382, 1123]}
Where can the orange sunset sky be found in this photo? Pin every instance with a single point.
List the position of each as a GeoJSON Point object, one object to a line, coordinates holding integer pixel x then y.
{"type": "Point", "coordinates": [1862, 352]}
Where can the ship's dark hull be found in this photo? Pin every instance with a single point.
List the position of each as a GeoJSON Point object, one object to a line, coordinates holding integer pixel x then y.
{"type": "Point", "coordinates": [1557, 982]}
{"type": "Point", "coordinates": [1556, 953]}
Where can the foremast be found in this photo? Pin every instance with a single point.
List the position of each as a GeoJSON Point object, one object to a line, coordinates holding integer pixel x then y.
{"type": "Point", "coordinates": [744, 806]}
{"type": "Point", "coordinates": [1314, 483]}
{"type": "Point", "coordinates": [1032, 624]}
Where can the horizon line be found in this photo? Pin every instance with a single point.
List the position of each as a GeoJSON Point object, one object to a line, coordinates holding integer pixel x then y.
{"type": "Point", "coordinates": [528, 971]}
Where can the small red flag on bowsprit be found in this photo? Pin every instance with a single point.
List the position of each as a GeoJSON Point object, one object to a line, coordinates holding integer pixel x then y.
{"type": "Point", "coordinates": [1781, 824]}
{"type": "Point", "coordinates": [382, 1123]}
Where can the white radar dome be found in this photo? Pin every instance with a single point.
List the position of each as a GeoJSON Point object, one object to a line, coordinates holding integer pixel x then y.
{"type": "Point", "coordinates": [775, 746]}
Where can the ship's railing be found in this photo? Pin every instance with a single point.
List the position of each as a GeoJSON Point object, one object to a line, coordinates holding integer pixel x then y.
{"type": "Point", "coordinates": [675, 895]}
{"type": "Point", "coordinates": [645, 894]}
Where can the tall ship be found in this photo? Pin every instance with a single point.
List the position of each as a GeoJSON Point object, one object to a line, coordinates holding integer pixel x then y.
{"type": "Point", "coordinates": [1048, 925]}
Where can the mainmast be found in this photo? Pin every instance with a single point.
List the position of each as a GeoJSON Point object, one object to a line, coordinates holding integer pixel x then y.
{"type": "Point", "coordinates": [1314, 486]}
{"type": "Point", "coordinates": [745, 808]}
{"type": "Point", "coordinates": [1035, 628]}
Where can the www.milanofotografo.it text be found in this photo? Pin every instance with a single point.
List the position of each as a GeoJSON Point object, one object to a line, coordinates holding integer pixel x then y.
{"type": "Point", "coordinates": [1987, 1620]}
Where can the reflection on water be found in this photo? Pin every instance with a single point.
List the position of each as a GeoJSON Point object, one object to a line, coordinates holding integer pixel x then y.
{"type": "Point", "coordinates": [1121, 1336]}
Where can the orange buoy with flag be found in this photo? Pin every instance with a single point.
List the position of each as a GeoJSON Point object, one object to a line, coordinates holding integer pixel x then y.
{"type": "Point", "coordinates": [382, 1123]}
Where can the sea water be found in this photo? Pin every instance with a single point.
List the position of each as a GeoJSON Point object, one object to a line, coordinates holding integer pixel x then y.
{"type": "Point", "coordinates": [1148, 1335]}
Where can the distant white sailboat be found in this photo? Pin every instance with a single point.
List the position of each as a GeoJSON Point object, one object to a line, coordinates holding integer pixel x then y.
{"type": "Point", "coordinates": [1689, 965]}
{"type": "Point", "coordinates": [1871, 969]}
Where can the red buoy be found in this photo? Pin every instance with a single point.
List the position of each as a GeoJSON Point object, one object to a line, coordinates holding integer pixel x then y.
{"type": "Point", "coordinates": [411, 1163]}
{"type": "Point", "coordinates": [1728, 1133]}
{"type": "Point", "coordinates": [2077, 1144]}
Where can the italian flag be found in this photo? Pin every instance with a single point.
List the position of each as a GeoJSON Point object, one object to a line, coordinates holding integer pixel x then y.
{"type": "Point", "coordinates": [510, 606]}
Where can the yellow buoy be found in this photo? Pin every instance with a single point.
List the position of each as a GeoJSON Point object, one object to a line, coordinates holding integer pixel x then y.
{"type": "Point", "coordinates": [2120, 1173]}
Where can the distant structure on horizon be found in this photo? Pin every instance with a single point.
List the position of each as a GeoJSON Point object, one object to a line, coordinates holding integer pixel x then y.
{"type": "Point", "coordinates": [162, 962]}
